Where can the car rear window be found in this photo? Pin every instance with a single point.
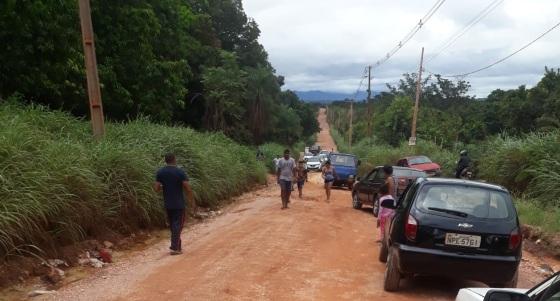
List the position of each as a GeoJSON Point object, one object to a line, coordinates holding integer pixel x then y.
{"type": "Point", "coordinates": [475, 202]}
{"type": "Point", "coordinates": [343, 160]}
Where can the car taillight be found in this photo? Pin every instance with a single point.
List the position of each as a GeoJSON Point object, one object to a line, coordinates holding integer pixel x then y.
{"type": "Point", "coordinates": [515, 239]}
{"type": "Point", "coordinates": [411, 228]}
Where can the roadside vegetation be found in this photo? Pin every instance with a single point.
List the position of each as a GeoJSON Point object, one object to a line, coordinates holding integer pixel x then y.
{"type": "Point", "coordinates": [512, 136]}
{"type": "Point", "coordinates": [58, 186]}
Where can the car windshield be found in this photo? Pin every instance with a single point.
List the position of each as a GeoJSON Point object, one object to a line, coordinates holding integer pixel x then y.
{"type": "Point", "coordinates": [419, 160]}
{"type": "Point", "coordinates": [461, 200]}
{"type": "Point", "coordinates": [343, 160]}
{"type": "Point", "coordinates": [313, 159]}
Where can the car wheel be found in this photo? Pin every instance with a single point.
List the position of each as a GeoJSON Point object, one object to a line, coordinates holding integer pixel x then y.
{"type": "Point", "coordinates": [375, 206]}
{"type": "Point", "coordinates": [356, 204]}
{"type": "Point", "coordinates": [383, 251]}
{"type": "Point", "coordinates": [392, 275]}
{"type": "Point", "coordinates": [509, 284]}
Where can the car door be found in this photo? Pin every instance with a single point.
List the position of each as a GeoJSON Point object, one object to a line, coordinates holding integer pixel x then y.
{"type": "Point", "coordinates": [365, 186]}
{"type": "Point", "coordinates": [376, 183]}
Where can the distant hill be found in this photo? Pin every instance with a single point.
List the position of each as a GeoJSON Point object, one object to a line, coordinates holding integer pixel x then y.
{"type": "Point", "coordinates": [326, 97]}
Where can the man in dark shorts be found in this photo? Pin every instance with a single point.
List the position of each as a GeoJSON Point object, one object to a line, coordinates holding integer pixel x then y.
{"type": "Point", "coordinates": [285, 173]}
{"type": "Point", "coordinates": [174, 181]}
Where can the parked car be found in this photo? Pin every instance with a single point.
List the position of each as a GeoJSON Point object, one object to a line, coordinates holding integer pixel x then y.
{"type": "Point", "coordinates": [346, 167]}
{"type": "Point", "coordinates": [452, 228]}
{"type": "Point", "coordinates": [313, 163]}
{"type": "Point", "coordinates": [306, 156]}
{"type": "Point", "coordinates": [422, 163]}
{"type": "Point", "coordinates": [365, 191]}
{"type": "Point", "coordinates": [548, 290]}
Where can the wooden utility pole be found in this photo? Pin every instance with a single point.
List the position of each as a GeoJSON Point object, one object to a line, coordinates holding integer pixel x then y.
{"type": "Point", "coordinates": [412, 140]}
{"type": "Point", "coordinates": [369, 105]}
{"type": "Point", "coordinates": [351, 122]}
{"type": "Point", "coordinates": [94, 91]}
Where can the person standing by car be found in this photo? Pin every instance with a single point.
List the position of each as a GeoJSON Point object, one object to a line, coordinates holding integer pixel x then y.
{"type": "Point", "coordinates": [285, 172]}
{"type": "Point", "coordinates": [329, 175]}
{"type": "Point", "coordinates": [384, 213]}
{"type": "Point", "coordinates": [174, 181]}
{"type": "Point", "coordinates": [390, 180]}
{"type": "Point", "coordinates": [301, 177]}
{"type": "Point", "coordinates": [463, 163]}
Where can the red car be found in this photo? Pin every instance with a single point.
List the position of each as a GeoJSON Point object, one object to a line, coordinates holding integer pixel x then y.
{"type": "Point", "coordinates": [422, 163]}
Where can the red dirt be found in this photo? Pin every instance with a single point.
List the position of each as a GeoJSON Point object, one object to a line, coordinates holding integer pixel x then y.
{"type": "Point", "coordinates": [255, 251]}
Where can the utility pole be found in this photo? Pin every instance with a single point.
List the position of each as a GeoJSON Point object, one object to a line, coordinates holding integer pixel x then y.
{"type": "Point", "coordinates": [351, 121]}
{"type": "Point", "coordinates": [412, 140]}
{"type": "Point", "coordinates": [369, 105]}
{"type": "Point", "coordinates": [94, 91]}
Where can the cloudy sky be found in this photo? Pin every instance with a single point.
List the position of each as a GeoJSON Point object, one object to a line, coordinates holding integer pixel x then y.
{"type": "Point", "coordinates": [325, 44]}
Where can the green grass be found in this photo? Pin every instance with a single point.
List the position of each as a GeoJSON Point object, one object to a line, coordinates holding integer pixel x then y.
{"type": "Point", "coordinates": [59, 187]}
{"type": "Point", "coordinates": [532, 212]}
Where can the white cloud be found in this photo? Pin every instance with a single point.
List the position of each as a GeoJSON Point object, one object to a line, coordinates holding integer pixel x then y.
{"type": "Point", "coordinates": [325, 44]}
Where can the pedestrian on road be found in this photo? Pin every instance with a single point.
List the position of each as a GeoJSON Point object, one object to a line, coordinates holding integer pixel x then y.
{"type": "Point", "coordinates": [329, 175]}
{"type": "Point", "coordinates": [275, 161]}
{"type": "Point", "coordinates": [301, 177]}
{"type": "Point", "coordinates": [174, 182]}
{"type": "Point", "coordinates": [384, 213]}
{"type": "Point", "coordinates": [285, 172]}
{"type": "Point", "coordinates": [390, 180]}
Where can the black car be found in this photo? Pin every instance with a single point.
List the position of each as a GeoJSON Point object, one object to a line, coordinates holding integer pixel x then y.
{"type": "Point", "coordinates": [452, 228]}
{"type": "Point", "coordinates": [365, 191]}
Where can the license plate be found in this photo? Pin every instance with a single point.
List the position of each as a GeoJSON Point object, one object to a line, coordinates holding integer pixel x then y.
{"type": "Point", "coordinates": [471, 241]}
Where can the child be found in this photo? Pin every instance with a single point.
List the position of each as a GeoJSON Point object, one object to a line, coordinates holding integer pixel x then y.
{"type": "Point", "coordinates": [384, 213]}
{"type": "Point", "coordinates": [301, 177]}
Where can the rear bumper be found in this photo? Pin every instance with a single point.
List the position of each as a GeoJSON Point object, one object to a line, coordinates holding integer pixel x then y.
{"type": "Point", "coordinates": [346, 182]}
{"type": "Point", "coordinates": [484, 268]}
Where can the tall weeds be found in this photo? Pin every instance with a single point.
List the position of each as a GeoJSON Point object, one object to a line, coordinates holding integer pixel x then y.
{"type": "Point", "coordinates": [58, 187]}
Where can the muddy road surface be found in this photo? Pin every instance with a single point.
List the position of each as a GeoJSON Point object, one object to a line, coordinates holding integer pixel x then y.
{"type": "Point", "coordinates": [255, 251]}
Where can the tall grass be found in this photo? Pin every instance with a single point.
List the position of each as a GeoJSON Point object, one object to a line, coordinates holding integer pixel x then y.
{"type": "Point", "coordinates": [58, 187]}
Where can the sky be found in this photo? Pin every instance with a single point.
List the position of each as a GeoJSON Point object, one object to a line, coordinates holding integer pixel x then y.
{"type": "Point", "coordinates": [326, 44]}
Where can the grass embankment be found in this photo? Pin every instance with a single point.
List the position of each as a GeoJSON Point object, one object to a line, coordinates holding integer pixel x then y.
{"type": "Point", "coordinates": [57, 186]}
{"type": "Point", "coordinates": [529, 166]}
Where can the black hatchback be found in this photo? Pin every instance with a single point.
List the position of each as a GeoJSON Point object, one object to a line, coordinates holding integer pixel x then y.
{"type": "Point", "coordinates": [452, 228]}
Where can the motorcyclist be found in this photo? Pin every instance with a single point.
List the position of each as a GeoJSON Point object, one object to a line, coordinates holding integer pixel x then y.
{"type": "Point", "coordinates": [463, 163]}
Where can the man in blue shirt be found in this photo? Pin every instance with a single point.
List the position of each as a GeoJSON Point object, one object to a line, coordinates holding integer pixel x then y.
{"type": "Point", "coordinates": [172, 180]}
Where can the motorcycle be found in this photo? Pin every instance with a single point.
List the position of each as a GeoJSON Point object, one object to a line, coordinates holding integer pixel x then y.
{"type": "Point", "coordinates": [466, 174]}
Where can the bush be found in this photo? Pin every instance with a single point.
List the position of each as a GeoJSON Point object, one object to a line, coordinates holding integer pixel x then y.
{"type": "Point", "coordinates": [57, 186]}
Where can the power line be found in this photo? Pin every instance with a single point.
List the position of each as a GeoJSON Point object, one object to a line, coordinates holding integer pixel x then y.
{"type": "Point", "coordinates": [507, 57]}
{"type": "Point", "coordinates": [481, 15]}
{"type": "Point", "coordinates": [363, 77]}
{"type": "Point", "coordinates": [410, 34]}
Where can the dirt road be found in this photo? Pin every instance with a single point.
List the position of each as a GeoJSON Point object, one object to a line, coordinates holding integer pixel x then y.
{"type": "Point", "coordinates": [255, 251]}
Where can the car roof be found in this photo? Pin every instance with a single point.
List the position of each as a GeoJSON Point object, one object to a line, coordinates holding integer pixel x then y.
{"type": "Point", "coordinates": [416, 156]}
{"type": "Point", "coordinates": [342, 154]}
{"type": "Point", "coordinates": [403, 168]}
{"type": "Point", "coordinates": [463, 182]}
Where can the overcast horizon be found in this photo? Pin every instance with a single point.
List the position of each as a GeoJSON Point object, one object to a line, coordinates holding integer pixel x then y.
{"type": "Point", "coordinates": [325, 45]}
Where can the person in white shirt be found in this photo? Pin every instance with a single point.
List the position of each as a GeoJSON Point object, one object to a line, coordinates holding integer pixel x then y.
{"type": "Point", "coordinates": [285, 172]}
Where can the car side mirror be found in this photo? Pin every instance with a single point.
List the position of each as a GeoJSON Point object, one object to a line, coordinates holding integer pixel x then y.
{"type": "Point", "coordinates": [495, 295]}
{"type": "Point", "coordinates": [389, 204]}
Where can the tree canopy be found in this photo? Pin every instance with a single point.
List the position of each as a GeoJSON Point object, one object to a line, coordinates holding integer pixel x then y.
{"type": "Point", "coordinates": [191, 62]}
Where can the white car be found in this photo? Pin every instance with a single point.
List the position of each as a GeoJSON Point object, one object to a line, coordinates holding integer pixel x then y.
{"type": "Point", "coordinates": [306, 156]}
{"type": "Point", "coordinates": [548, 290]}
{"type": "Point", "coordinates": [313, 163]}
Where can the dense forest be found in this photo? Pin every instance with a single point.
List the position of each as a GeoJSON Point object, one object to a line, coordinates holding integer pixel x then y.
{"type": "Point", "coordinates": [450, 117]}
{"type": "Point", "coordinates": [188, 62]}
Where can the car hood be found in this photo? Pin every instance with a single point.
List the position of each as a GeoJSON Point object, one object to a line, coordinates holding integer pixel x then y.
{"type": "Point", "coordinates": [425, 166]}
{"type": "Point", "coordinates": [344, 171]}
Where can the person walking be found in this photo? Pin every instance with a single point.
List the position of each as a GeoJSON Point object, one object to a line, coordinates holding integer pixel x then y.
{"type": "Point", "coordinates": [285, 172]}
{"type": "Point", "coordinates": [384, 213]}
{"type": "Point", "coordinates": [174, 182]}
{"type": "Point", "coordinates": [301, 177]}
{"type": "Point", "coordinates": [329, 175]}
